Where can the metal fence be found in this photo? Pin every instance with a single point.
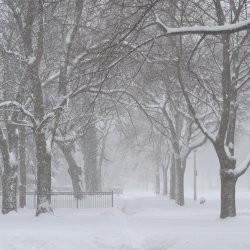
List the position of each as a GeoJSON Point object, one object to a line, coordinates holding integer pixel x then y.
{"type": "Point", "coordinates": [71, 200]}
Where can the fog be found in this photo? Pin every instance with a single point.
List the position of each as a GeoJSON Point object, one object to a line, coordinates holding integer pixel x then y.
{"type": "Point", "coordinates": [124, 124]}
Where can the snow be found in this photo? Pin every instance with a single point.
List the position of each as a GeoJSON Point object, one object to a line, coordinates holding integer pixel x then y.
{"type": "Point", "coordinates": [228, 153]}
{"type": "Point", "coordinates": [48, 145]}
{"type": "Point", "coordinates": [19, 106]}
{"type": "Point", "coordinates": [243, 166]}
{"type": "Point", "coordinates": [51, 78]}
{"type": "Point", "coordinates": [31, 60]}
{"type": "Point", "coordinates": [138, 222]}
{"type": "Point", "coordinates": [45, 206]}
{"type": "Point", "coordinates": [196, 29]}
{"type": "Point", "coordinates": [69, 36]}
{"type": "Point", "coordinates": [13, 160]}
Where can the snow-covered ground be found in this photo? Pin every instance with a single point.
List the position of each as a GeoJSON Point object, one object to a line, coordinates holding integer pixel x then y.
{"type": "Point", "coordinates": [138, 221]}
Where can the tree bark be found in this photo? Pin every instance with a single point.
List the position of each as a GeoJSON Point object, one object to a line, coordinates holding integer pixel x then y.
{"type": "Point", "coordinates": [172, 179]}
{"type": "Point", "coordinates": [22, 163]}
{"type": "Point", "coordinates": [43, 175]}
{"type": "Point", "coordinates": [228, 208]}
{"type": "Point", "coordinates": [157, 181]}
{"type": "Point", "coordinates": [89, 147]}
{"type": "Point", "coordinates": [179, 190]}
{"type": "Point", "coordinates": [165, 181]}
{"type": "Point", "coordinates": [228, 183]}
{"type": "Point", "coordinates": [9, 177]}
{"type": "Point", "coordinates": [100, 163]}
{"type": "Point", "coordinates": [43, 154]}
{"type": "Point", "coordinates": [74, 171]}
{"type": "Point", "coordinates": [9, 182]}
{"type": "Point", "coordinates": [9, 149]}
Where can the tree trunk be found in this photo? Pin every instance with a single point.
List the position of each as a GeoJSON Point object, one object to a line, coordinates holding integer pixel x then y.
{"type": "Point", "coordinates": [165, 181]}
{"type": "Point", "coordinates": [248, 180]}
{"type": "Point", "coordinates": [179, 191]}
{"type": "Point", "coordinates": [100, 163]}
{"type": "Point", "coordinates": [74, 172]}
{"type": "Point", "coordinates": [9, 177]}
{"type": "Point", "coordinates": [22, 162]}
{"type": "Point", "coordinates": [172, 179]}
{"type": "Point", "coordinates": [227, 197]}
{"type": "Point", "coordinates": [9, 182]}
{"type": "Point", "coordinates": [89, 147]}
{"type": "Point", "coordinates": [228, 183]}
{"type": "Point", "coordinates": [157, 181]}
{"type": "Point", "coordinates": [195, 177]}
{"type": "Point", "coordinates": [99, 178]}
{"type": "Point", "coordinates": [43, 175]}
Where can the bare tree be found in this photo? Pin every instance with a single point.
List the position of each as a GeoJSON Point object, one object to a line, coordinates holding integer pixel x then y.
{"type": "Point", "coordinates": [223, 101]}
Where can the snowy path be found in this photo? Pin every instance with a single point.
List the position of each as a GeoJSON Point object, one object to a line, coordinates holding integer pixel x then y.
{"type": "Point", "coordinates": [136, 223]}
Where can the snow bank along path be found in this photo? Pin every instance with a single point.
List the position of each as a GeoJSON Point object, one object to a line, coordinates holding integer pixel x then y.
{"type": "Point", "coordinates": [135, 223]}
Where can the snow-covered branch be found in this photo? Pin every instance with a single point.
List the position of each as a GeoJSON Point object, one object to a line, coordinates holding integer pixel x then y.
{"type": "Point", "coordinates": [242, 168]}
{"type": "Point", "coordinates": [208, 30]}
{"type": "Point", "coordinates": [21, 108]}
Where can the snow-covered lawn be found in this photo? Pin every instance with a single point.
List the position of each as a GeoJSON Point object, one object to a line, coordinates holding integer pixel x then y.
{"type": "Point", "coordinates": [137, 222]}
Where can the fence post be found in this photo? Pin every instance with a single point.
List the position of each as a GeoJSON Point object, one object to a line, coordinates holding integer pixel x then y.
{"type": "Point", "coordinates": [112, 198]}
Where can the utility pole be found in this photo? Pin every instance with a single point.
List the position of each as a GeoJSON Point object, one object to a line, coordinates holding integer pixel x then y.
{"type": "Point", "coordinates": [195, 176]}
